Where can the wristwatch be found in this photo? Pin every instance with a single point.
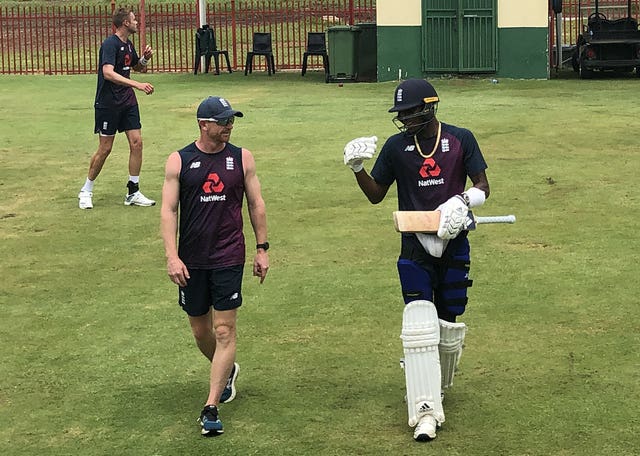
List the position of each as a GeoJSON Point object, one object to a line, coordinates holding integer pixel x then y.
{"type": "Point", "coordinates": [264, 246]}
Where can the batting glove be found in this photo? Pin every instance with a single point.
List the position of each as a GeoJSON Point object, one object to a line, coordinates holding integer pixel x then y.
{"type": "Point", "coordinates": [357, 150]}
{"type": "Point", "coordinates": [453, 217]}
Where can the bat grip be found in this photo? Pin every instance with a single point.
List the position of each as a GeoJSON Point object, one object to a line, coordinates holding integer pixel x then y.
{"type": "Point", "coordinates": [497, 219]}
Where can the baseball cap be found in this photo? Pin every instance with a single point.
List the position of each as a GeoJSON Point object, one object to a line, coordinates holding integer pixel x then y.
{"type": "Point", "coordinates": [216, 108]}
{"type": "Point", "coordinates": [412, 93]}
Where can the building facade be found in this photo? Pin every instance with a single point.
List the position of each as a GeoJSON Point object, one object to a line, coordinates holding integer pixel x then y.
{"type": "Point", "coordinates": [505, 38]}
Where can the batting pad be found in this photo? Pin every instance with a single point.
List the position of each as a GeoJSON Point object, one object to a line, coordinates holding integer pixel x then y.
{"type": "Point", "coordinates": [420, 337]}
{"type": "Point", "coordinates": [450, 348]}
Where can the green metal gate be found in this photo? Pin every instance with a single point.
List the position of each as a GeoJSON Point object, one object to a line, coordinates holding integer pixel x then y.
{"type": "Point", "coordinates": [458, 36]}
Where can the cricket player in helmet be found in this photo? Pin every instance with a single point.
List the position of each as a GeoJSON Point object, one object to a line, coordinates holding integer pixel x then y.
{"type": "Point", "coordinates": [430, 162]}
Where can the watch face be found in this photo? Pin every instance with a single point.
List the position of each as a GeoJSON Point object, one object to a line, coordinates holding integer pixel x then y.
{"type": "Point", "coordinates": [264, 246]}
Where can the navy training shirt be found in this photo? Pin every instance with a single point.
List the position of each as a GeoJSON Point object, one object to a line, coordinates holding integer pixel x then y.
{"type": "Point", "coordinates": [122, 56]}
{"type": "Point", "coordinates": [425, 183]}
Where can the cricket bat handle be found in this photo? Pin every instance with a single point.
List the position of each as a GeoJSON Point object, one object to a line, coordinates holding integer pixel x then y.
{"type": "Point", "coordinates": [496, 219]}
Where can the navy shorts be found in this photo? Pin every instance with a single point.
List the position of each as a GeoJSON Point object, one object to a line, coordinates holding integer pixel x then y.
{"type": "Point", "coordinates": [220, 288]}
{"type": "Point", "coordinates": [443, 281]}
{"type": "Point", "coordinates": [108, 121]}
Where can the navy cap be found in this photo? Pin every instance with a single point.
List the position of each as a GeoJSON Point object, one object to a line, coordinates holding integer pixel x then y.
{"type": "Point", "coordinates": [216, 108]}
{"type": "Point", "coordinates": [412, 93]}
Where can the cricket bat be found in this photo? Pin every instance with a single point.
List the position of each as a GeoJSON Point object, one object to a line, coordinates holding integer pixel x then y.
{"type": "Point", "coordinates": [428, 221]}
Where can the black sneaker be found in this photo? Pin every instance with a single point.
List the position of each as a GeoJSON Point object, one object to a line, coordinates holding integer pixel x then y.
{"type": "Point", "coordinates": [211, 424]}
{"type": "Point", "coordinates": [229, 392]}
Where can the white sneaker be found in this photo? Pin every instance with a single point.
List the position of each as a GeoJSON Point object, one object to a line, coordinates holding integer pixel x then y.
{"type": "Point", "coordinates": [138, 199]}
{"type": "Point", "coordinates": [84, 200]}
{"type": "Point", "coordinates": [426, 429]}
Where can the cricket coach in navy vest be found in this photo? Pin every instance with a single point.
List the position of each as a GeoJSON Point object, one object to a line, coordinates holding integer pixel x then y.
{"type": "Point", "coordinates": [207, 180]}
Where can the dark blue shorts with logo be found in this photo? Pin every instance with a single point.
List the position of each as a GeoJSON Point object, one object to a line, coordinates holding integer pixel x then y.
{"type": "Point", "coordinates": [111, 120]}
{"type": "Point", "coordinates": [220, 288]}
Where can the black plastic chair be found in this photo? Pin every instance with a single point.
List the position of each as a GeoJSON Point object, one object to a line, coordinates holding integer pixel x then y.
{"type": "Point", "coordinates": [207, 47]}
{"type": "Point", "coordinates": [316, 45]}
{"type": "Point", "coordinates": [261, 46]}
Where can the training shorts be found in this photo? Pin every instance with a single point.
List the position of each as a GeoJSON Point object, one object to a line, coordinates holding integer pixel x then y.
{"type": "Point", "coordinates": [111, 120]}
{"type": "Point", "coordinates": [220, 288]}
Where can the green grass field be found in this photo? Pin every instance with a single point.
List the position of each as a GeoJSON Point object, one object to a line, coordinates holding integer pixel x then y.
{"type": "Point", "coordinates": [98, 359]}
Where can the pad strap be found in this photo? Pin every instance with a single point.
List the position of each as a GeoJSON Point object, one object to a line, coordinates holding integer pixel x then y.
{"type": "Point", "coordinates": [457, 285]}
{"type": "Point", "coordinates": [457, 301]}
{"type": "Point", "coordinates": [465, 265]}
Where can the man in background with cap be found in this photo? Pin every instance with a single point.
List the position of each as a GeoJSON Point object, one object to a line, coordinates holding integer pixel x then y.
{"type": "Point", "coordinates": [430, 162]}
{"type": "Point", "coordinates": [207, 181]}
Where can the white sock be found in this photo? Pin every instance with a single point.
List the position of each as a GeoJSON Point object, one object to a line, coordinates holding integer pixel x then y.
{"type": "Point", "coordinates": [88, 186]}
{"type": "Point", "coordinates": [134, 179]}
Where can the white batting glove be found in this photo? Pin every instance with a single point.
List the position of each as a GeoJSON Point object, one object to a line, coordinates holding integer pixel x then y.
{"type": "Point", "coordinates": [358, 150]}
{"type": "Point", "coordinates": [453, 217]}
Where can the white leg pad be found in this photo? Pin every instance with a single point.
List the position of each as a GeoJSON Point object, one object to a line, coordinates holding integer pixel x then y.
{"type": "Point", "coordinates": [420, 338]}
{"type": "Point", "coordinates": [450, 348]}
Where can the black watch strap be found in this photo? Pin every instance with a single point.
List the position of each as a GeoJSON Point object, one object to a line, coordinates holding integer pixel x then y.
{"type": "Point", "coordinates": [465, 198]}
{"type": "Point", "coordinates": [264, 246]}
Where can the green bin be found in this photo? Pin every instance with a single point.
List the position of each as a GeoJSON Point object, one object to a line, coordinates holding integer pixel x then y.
{"type": "Point", "coordinates": [343, 52]}
{"type": "Point", "coordinates": [367, 53]}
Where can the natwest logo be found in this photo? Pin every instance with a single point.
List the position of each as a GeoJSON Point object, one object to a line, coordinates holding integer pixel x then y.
{"type": "Point", "coordinates": [429, 168]}
{"type": "Point", "coordinates": [213, 184]}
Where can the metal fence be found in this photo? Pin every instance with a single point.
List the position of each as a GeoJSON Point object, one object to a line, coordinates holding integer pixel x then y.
{"type": "Point", "coordinates": [63, 39]}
